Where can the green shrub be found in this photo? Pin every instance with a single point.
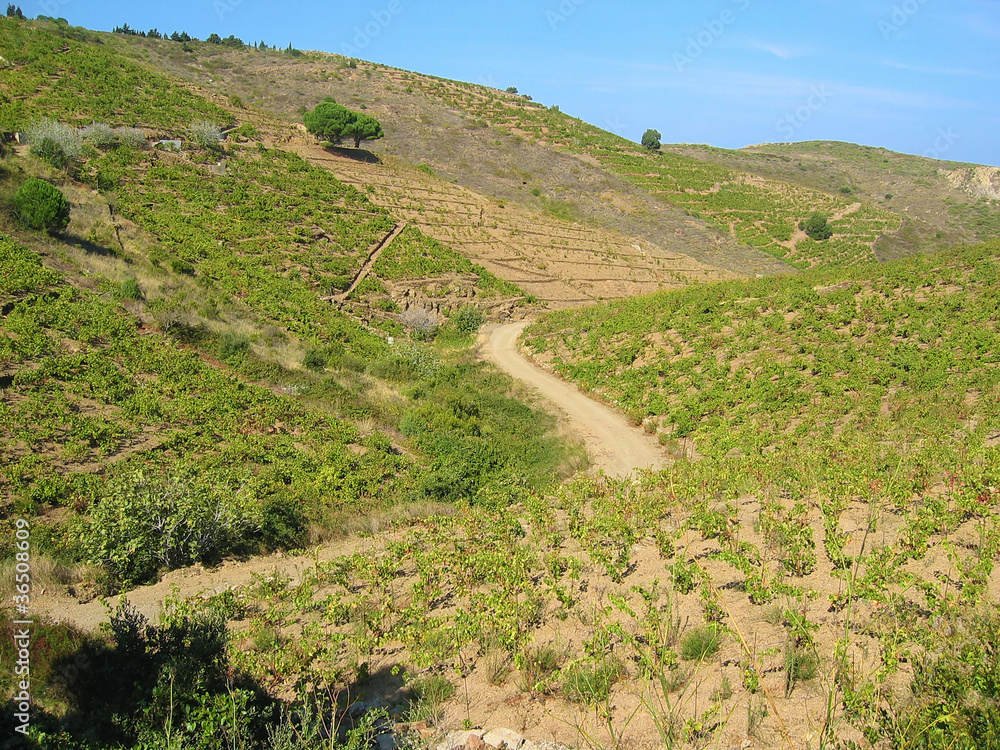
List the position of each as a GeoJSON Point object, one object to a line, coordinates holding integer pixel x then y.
{"type": "Point", "coordinates": [39, 205]}
{"type": "Point", "coordinates": [315, 360]}
{"type": "Point", "coordinates": [182, 266]}
{"type": "Point", "coordinates": [536, 666]}
{"type": "Point", "coordinates": [144, 523]}
{"type": "Point", "coordinates": [430, 694]}
{"type": "Point", "coordinates": [99, 134]}
{"type": "Point", "coordinates": [282, 524]}
{"type": "Point", "coordinates": [817, 227]}
{"type": "Point", "coordinates": [51, 153]}
{"type": "Point", "coordinates": [204, 134]}
{"type": "Point", "coordinates": [233, 347]}
{"type": "Point", "coordinates": [591, 683]}
{"type": "Point", "coordinates": [129, 289]}
{"type": "Point", "coordinates": [468, 320]}
{"type": "Point", "coordinates": [54, 142]}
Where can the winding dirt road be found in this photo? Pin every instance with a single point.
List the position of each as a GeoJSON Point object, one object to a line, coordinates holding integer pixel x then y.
{"type": "Point", "coordinates": [614, 445]}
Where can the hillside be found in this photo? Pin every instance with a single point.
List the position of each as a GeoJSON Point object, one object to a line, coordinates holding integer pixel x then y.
{"type": "Point", "coordinates": [471, 133]}
{"type": "Point", "coordinates": [243, 389]}
{"type": "Point", "coordinates": [942, 203]}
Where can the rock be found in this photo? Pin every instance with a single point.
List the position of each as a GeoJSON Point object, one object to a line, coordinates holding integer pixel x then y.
{"type": "Point", "coordinates": [456, 740]}
{"type": "Point", "coordinates": [500, 738]}
{"type": "Point", "coordinates": [475, 742]}
{"type": "Point", "coordinates": [385, 742]}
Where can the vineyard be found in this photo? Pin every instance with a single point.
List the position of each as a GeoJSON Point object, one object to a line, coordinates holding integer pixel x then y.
{"type": "Point", "coordinates": [557, 262]}
{"type": "Point", "coordinates": [272, 232]}
{"type": "Point", "coordinates": [103, 87]}
{"type": "Point", "coordinates": [248, 370]}
{"type": "Point", "coordinates": [757, 212]}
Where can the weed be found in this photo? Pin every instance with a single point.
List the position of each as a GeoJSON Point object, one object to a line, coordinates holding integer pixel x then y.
{"type": "Point", "coordinates": [700, 643]}
{"type": "Point", "coordinates": [430, 694]}
{"type": "Point", "coordinates": [590, 683]}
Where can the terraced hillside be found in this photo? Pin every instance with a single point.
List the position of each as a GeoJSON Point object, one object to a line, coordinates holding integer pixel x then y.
{"type": "Point", "coordinates": [254, 345]}
{"type": "Point", "coordinates": [560, 263]}
{"type": "Point", "coordinates": [496, 163]}
{"type": "Point", "coordinates": [471, 134]}
{"type": "Point", "coordinates": [942, 203]}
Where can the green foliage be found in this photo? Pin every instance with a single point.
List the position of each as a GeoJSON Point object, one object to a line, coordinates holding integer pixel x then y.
{"type": "Point", "coordinates": [49, 151]}
{"type": "Point", "coordinates": [145, 523]}
{"type": "Point", "coordinates": [334, 122]}
{"type": "Point", "coordinates": [956, 687]}
{"type": "Point", "coordinates": [39, 205]}
{"type": "Point", "coordinates": [204, 134]}
{"type": "Point", "coordinates": [700, 643]}
{"type": "Point", "coordinates": [315, 360]}
{"type": "Point", "coordinates": [591, 683]}
{"type": "Point", "coordinates": [651, 140]}
{"type": "Point", "coordinates": [483, 444]}
{"type": "Point", "coordinates": [58, 75]}
{"type": "Point", "coordinates": [817, 227]}
{"type": "Point", "coordinates": [741, 367]}
{"type": "Point", "coordinates": [429, 694]}
{"type": "Point", "coordinates": [468, 320]}
{"type": "Point", "coordinates": [129, 289]}
{"type": "Point", "coordinates": [414, 255]}
{"type": "Point", "coordinates": [233, 347]}
{"type": "Point", "coordinates": [236, 229]}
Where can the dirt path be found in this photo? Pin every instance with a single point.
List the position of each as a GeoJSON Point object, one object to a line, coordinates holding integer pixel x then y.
{"type": "Point", "coordinates": [614, 445]}
{"type": "Point", "coordinates": [372, 257]}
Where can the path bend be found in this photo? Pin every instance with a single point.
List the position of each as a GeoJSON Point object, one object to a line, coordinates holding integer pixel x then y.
{"type": "Point", "coordinates": [614, 445]}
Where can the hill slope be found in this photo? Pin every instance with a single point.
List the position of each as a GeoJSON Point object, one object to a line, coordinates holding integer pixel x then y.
{"type": "Point", "coordinates": [228, 353]}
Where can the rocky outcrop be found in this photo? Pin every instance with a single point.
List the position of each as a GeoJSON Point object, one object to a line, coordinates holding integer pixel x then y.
{"type": "Point", "coordinates": [979, 182]}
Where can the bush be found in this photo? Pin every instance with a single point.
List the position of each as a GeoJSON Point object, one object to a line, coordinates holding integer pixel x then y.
{"type": "Point", "coordinates": [204, 134]}
{"type": "Point", "coordinates": [99, 135]}
{"type": "Point", "coordinates": [468, 320]}
{"type": "Point", "coordinates": [129, 289]}
{"type": "Point", "coordinates": [817, 227]}
{"type": "Point", "coordinates": [282, 524]}
{"type": "Point", "coordinates": [591, 683]}
{"type": "Point", "coordinates": [51, 153]}
{"type": "Point", "coordinates": [421, 322]}
{"type": "Point", "coordinates": [233, 347]}
{"type": "Point", "coordinates": [55, 142]}
{"type": "Point", "coordinates": [315, 360]}
{"type": "Point", "coordinates": [144, 523]}
{"type": "Point", "coordinates": [130, 137]}
{"type": "Point", "coordinates": [178, 265]}
{"type": "Point", "coordinates": [39, 205]}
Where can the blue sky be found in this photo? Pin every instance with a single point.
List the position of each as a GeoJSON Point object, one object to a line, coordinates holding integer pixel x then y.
{"type": "Point", "coordinates": [918, 76]}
